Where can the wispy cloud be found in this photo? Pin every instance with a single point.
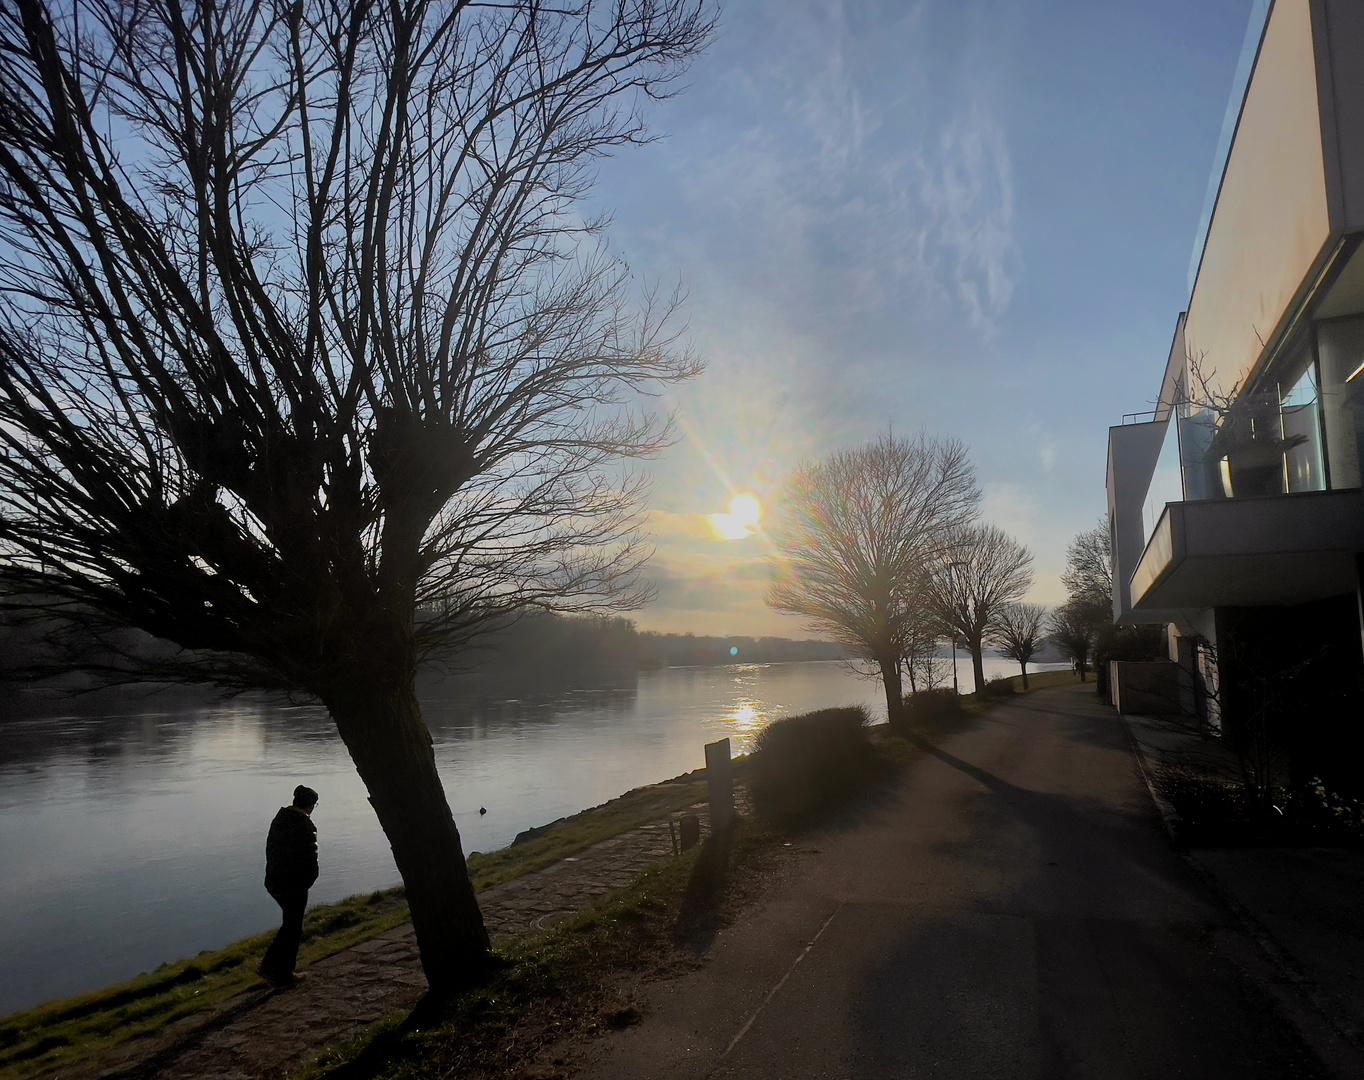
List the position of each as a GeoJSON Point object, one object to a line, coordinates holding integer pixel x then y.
{"type": "Point", "coordinates": [967, 190]}
{"type": "Point", "coordinates": [1047, 446]}
{"type": "Point", "coordinates": [844, 191]}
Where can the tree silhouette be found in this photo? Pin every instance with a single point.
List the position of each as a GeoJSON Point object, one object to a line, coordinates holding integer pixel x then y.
{"type": "Point", "coordinates": [979, 574]}
{"type": "Point", "coordinates": [853, 535]}
{"type": "Point", "coordinates": [1018, 633]}
{"type": "Point", "coordinates": [308, 366]}
{"type": "Point", "coordinates": [1088, 576]}
{"type": "Point", "coordinates": [1073, 632]}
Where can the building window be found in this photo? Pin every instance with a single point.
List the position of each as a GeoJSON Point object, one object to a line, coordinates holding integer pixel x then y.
{"type": "Point", "coordinates": [1340, 353]}
{"type": "Point", "coordinates": [1266, 441]}
{"type": "Point", "coordinates": [1300, 418]}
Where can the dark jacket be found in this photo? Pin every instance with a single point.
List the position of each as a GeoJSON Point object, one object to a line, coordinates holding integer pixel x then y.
{"type": "Point", "coordinates": [290, 852]}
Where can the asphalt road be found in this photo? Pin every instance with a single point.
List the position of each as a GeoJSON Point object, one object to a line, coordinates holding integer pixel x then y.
{"type": "Point", "coordinates": [1012, 910]}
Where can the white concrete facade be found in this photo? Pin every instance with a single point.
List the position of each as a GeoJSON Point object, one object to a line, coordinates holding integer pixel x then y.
{"type": "Point", "coordinates": [1242, 488]}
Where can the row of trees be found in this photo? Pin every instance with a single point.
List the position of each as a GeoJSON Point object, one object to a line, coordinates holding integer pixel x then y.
{"type": "Point", "coordinates": [880, 548]}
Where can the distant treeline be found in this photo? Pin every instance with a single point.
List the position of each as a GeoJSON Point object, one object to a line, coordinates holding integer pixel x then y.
{"type": "Point", "coordinates": [678, 650]}
{"type": "Point", "coordinates": [539, 649]}
{"type": "Point", "coordinates": [555, 647]}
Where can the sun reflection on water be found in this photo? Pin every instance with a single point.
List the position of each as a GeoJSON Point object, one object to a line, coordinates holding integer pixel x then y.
{"type": "Point", "coordinates": [746, 718]}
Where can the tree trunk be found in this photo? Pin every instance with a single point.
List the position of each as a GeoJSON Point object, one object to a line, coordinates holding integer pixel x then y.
{"type": "Point", "coordinates": [392, 751]}
{"type": "Point", "coordinates": [1024, 666]}
{"type": "Point", "coordinates": [977, 648]}
{"type": "Point", "coordinates": [890, 677]}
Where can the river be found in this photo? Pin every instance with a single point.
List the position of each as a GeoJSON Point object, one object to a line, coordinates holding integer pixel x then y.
{"type": "Point", "coordinates": [132, 840]}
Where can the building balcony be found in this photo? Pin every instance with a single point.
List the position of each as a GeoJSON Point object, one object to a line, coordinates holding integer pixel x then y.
{"type": "Point", "coordinates": [1289, 549]}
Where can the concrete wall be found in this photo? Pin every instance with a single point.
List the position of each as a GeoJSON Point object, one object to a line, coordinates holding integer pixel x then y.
{"type": "Point", "coordinates": [1153, 688]}
{"type": "Point", "coordinates": [1338, 28]}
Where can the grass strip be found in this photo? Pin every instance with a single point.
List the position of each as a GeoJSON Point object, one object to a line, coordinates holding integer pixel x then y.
{"type": "Point", "coordinates": [1037, 680]}
{"type": "Point", "coordinates": [560, 982]}
{"type": "Point", "coordinates": [579, 978]}
{"type": "Point", "coordinates": [64, 1033]}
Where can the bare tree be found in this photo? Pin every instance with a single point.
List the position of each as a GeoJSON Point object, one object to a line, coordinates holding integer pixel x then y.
{"type": "Point", "coordinates": [1018, 633]}
{"type": "Point", "coordinates": [923, 637]}
{"type": "Point", "coordinates": [1073, 633]}
{"type": "Point", "coordinates": [307, 363]}
{"type": "Point", "coordinates": [1088, 576]}
{"type": "Point", "coordinates": [1088, 579]}
{"type": "Point", "coordinates": [981, 572]}
{"type": "Point", "coordinates": [853, 534]}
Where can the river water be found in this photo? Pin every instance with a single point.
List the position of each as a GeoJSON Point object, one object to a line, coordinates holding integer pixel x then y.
{"type": "Point", "coordinates": [127, 841]}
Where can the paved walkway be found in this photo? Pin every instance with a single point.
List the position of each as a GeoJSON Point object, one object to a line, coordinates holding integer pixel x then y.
{"type": "Point", "coordinates": [264, 1035]}
{"type": "Point", "coordinates": [1013, 911]}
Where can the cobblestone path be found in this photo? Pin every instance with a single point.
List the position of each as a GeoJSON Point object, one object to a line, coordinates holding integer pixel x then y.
{"type": "Point", "coordinates": [262, 1035]}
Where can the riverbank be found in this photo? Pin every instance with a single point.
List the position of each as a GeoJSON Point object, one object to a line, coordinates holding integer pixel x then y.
{"type": "Point", "coordinates": [177, 1000]}
{"type": "Point", "coordinates": [616, 909]}
{"type": "Point", "coordinates": [132, 840]}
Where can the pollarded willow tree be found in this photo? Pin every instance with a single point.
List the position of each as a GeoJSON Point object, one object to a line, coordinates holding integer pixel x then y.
{"type": "Point", "coordinates": [853, 536]}
{"type": "Point", "coordinates": [308, 365]}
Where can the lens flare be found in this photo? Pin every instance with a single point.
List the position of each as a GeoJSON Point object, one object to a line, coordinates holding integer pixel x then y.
{"type": "Point", "coordinates": [744, 513]}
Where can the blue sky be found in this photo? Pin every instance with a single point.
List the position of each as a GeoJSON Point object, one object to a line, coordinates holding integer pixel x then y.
{"type": "Point", "coordinates": [974, 218]}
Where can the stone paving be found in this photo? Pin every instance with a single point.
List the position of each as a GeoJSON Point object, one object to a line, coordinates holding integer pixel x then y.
{"type": "Point", "coordinates": [264, 1035]}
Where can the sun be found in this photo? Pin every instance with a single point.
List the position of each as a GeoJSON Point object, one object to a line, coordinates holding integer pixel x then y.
{"type": "Point", "coordinates": [746, 510]}
{"type": "Point", "coordinates": [744, 513]}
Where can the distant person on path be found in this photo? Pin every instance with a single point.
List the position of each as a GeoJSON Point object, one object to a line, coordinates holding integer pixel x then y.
{"type": "Point", "coordinates": [290, 870]}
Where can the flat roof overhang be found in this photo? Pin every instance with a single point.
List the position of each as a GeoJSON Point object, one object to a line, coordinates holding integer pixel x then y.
{"type": "Point", "coordinates": [1284, 549]}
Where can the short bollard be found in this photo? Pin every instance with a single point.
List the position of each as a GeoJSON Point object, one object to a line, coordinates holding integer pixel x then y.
{"type": "Point", "coordinates": [690, 827]}
{"type": "Point", "coordinates": [720, 785]}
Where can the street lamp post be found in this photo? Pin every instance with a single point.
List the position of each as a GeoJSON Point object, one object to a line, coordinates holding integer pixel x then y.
{"type": "Point", "coordinates": [955, 688]}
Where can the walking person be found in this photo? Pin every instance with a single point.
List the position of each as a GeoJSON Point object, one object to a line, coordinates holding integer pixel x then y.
{"type": "Point", "coordinates": [290, 870]}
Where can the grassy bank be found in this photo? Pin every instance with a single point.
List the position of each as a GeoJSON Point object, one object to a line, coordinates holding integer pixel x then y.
{"type": "Point", "coordinates": [173, 997]}
{"type": "Point", "coordinates": [569, 982]}
{"type": "Point", "coordinates": [1037, 680]}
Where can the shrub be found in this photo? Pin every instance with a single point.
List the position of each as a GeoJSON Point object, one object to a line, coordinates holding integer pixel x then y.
{"type": "Point", "coordinates": [1001, 687]}
{"type": "Point", "coordinates": [804, 764]}
{"type": "Point", "coordinates": [1208, 807]}
{"type": "Point", "coordinates": [930, 707]}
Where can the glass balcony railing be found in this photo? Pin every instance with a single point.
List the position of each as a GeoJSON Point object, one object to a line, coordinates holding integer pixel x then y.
{"type": "Point", "coordinates": [1167, 481]}
{"type": "Point", "coordinates": [1255, 446]}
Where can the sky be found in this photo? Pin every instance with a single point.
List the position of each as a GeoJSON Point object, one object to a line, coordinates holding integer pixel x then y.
{"type": "Point", "coordinates": [967, 217]}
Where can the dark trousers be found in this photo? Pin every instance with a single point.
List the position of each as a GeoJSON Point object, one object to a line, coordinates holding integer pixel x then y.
{"type": "Point", "coordinates": [282, 954]}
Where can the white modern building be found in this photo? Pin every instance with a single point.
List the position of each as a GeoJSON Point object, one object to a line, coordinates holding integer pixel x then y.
{"type": "Point", "coordinates": [1235, 507]}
